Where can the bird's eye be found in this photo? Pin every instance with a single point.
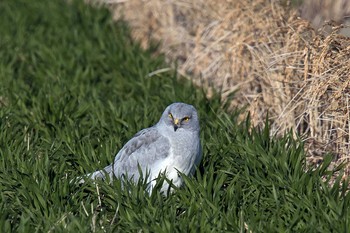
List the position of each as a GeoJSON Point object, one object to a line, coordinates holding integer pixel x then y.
{"type": "Point", "coordinates": [186, 119]}
{"type": "Point", "coordinates": [170, 115]}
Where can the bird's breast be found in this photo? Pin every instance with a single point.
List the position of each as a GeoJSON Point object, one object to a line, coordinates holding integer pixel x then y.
{"type": "Point", "coordinates": [184, 152]}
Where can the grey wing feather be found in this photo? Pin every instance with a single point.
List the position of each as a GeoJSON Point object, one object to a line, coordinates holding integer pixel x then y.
{"type": "Point", "coordinates": [144, 150]}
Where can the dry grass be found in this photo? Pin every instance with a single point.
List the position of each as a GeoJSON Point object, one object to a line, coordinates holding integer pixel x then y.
{"type": "Point", "coordinates": [277, 62]}
{"type": "Point", "coordinates": [319, 11]}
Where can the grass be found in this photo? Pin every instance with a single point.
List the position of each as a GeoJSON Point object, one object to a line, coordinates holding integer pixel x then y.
{"type": "Point", "coordinates": [74, 88]}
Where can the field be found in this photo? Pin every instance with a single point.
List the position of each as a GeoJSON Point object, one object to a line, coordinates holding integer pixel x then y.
{"type": "Point", "coordinates": [275, 62]}
{"type": "Point", "coordinates": [74, 87]}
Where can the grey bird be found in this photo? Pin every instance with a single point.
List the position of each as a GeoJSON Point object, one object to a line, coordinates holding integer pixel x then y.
{"type": "Point", "coordinates": [170, 146]}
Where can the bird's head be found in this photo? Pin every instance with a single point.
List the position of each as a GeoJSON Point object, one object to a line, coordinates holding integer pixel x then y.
{"type": "Point", "coordinates": [181, 116]}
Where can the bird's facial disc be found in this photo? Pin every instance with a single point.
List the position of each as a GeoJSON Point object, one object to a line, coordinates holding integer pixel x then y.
{"type": "Point", "coordinates": [178, 121]}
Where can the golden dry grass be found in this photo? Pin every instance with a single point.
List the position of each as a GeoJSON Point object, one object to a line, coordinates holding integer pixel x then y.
{"type": "Point", "coordinates": [276, 61]}
{"type": "Point", "coordinates": [318, 11]}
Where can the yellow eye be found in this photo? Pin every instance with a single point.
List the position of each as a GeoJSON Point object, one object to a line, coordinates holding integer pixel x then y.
{"type": "Point", "coordinates": [186, 119]}
{"type": "Point", "coordinates": [170, 116]}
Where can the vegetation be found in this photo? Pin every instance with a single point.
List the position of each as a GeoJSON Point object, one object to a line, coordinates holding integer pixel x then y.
{"type": "Point", "coordinates": [74, 88]}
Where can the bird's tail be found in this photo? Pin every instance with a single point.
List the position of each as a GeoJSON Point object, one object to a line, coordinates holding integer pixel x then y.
{"type": "Point", "coordinates": [100, 174]}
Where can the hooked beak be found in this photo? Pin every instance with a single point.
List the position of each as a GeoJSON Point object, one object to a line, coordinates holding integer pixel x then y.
{"type": "Point", "coordinates": [176, 124]}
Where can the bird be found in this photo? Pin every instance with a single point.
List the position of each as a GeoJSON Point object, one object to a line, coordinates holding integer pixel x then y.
{"type": "Point", "coordinates": [170, 147]}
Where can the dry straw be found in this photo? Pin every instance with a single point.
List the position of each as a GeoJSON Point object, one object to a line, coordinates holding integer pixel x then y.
{"type": "Point", "coordinates": [263, 50]}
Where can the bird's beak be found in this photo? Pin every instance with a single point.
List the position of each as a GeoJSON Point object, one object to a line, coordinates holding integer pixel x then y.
{"type": "Point", "coordinates": [176, 124]}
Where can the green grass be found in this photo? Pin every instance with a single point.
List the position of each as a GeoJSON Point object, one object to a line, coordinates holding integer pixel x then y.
{"type": "Point", "coordinates": [74, 88]}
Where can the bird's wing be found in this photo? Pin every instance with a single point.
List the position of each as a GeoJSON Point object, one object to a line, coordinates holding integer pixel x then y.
{"type": "Point", "coordinates": [144, 150]}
